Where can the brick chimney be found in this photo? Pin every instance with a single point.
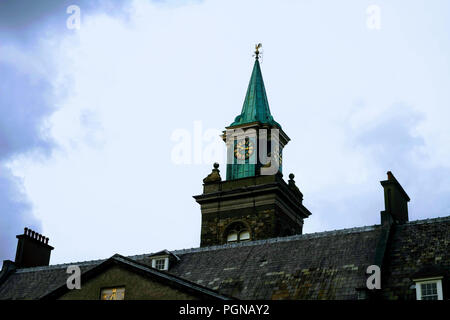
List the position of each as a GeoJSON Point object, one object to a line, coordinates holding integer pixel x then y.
{"type": "Point", "coordinates": [32, 250]}
{"type": "Point", "coordinates": [395, 201]}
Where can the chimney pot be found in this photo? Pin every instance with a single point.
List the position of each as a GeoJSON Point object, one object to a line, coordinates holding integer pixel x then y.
{"type": "Point", "coordinates": [390, 175]}
{"type": "Point", "coordinates": [32, 253]}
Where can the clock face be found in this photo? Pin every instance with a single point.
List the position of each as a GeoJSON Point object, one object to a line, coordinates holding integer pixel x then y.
{"type": "Point", "coordinates": [244, 149]}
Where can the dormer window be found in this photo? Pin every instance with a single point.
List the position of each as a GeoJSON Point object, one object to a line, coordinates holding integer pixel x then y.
{"type": "Point", "coordinates": [429, 289]}
{"type": "Point", "coordinates": [160, 263]}
{"type": "Point", "coordinates": [162, 260]}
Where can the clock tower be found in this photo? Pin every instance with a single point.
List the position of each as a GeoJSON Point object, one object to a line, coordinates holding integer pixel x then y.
{"type": "Point", "coordinates": [254, 202]}
{"type": "Point", "coordinates": [254, 138]}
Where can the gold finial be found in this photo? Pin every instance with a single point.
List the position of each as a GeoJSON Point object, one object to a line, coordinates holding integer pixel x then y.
{"type": "Point", "coordinates": [257, 47]}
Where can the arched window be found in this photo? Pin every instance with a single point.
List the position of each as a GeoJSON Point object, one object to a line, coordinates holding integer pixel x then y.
{"type": "Point", "coordinates": [232, 236]}
{"type": "Point", "coordinates": [244, 235]}
{"type": "Point", "coordinates": [237, 232]}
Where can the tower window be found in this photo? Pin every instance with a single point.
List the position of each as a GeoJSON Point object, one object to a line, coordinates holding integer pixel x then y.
{"type": "Point", "coordinates": [232, 236]}
{"type": "Point", "coordinates": [237, 232]}
{"type": "Point", "coordinates": [244, 235]}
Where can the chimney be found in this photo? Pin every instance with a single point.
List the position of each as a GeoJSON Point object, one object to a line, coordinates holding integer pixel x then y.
{"type": "Point", "coordinates": [32, 250]}
{"type": "Point", "coordinates": [395, 201]}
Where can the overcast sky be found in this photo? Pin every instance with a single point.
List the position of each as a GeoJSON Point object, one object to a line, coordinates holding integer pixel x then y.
{"type": "Point", "coordinates": [92, 119]}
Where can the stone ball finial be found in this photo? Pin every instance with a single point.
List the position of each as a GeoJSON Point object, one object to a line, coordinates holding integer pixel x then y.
{"type": "Point", "coordinates": [214, 176]}
{"type": "Point", "coordinates": [291, 176]}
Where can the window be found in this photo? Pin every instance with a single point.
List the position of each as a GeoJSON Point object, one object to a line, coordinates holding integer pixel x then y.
{"type": "Point", "coordinates": [160, 263]}
{"type": "Point", "coordinates": [232, 236]}
{"type": "Point", "coordinates": [163, 260]}
{"type": "Point", "coordinates": [244, 235]}
{"type": "Point", "coordinates": [429, 289]}
{"type": "Point", "coordinates": [237, 232]}
{"type": "Point", "coordinates": [113, 294]}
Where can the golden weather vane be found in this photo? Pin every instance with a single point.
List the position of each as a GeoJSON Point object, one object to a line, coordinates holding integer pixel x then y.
{"type": "Point", "coordinates": [257, 47]}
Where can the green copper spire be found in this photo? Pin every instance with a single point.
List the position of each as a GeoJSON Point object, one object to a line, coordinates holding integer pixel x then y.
{"type": "Point", "coordinates": [256, 106]}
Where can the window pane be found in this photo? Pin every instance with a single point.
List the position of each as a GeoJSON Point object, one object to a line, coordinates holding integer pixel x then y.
{"type": "Point", "coordinates": [244, 235]}
{"type": "Point", "coordinates": [429, 291]}
{"type": "Point", "coordinates": [232, 237]}
{"type": "Point", "coordinates": [113, 294]}
{"type": "Point", "coordinates": [160, 264]}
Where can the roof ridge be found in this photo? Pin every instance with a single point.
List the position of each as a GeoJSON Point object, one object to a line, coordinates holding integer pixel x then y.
{"type": "Point", "coordinates": [278, 239]}
{"type": "Point", "coordinates": [428, 220]}
{"type": "Point", "coordinates": [61, 265]}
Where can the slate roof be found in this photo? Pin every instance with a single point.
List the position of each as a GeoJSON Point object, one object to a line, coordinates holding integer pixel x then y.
{"type": "Point", "coordinates": [418, 249]}
{"type": "Point", "coordinates": [34, 283]}
{"type": "Point", "coordinates": [325, 265]}
{"type": "Point", "coordinates": [145, 270]}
